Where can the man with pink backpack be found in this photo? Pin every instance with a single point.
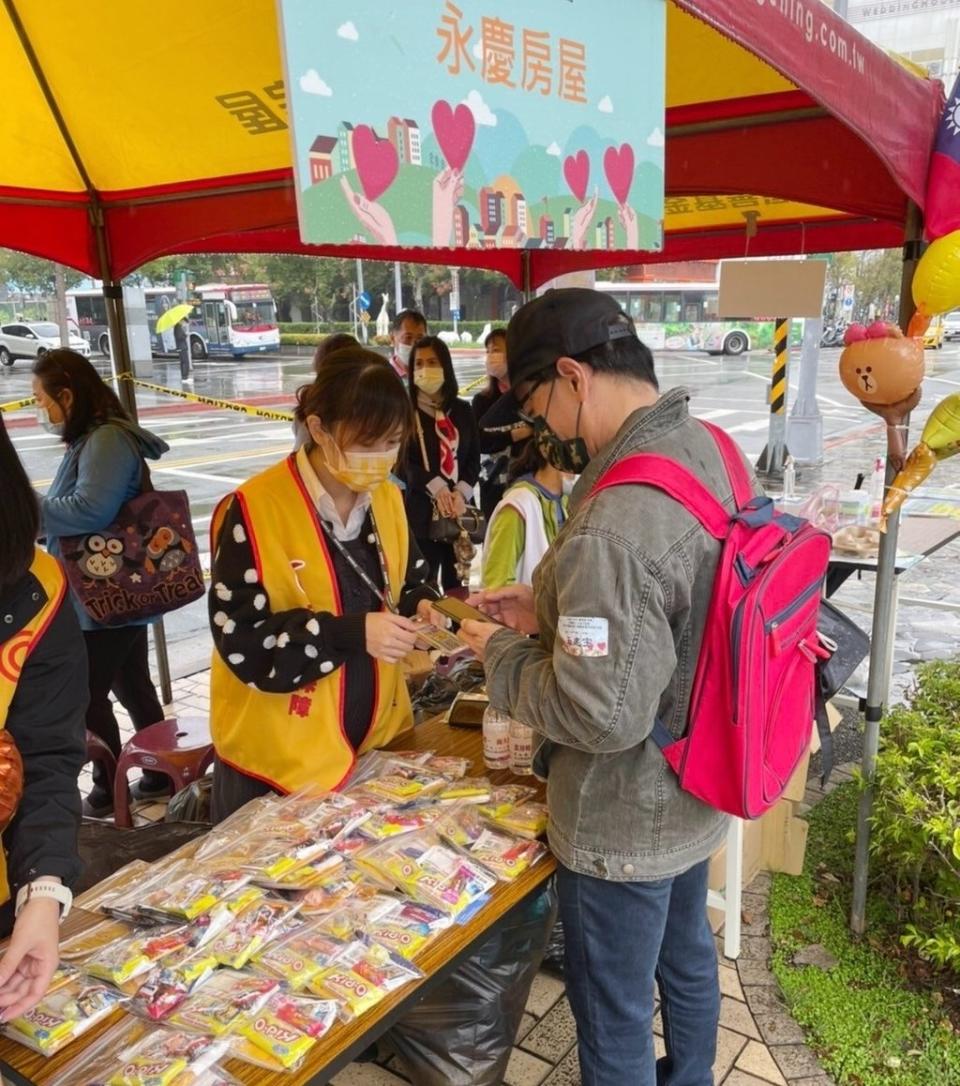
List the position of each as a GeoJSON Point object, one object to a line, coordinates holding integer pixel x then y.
{"type": "Point", "coordinates": [671, 678]}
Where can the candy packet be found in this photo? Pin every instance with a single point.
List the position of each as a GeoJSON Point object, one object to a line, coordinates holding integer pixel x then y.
{"type": "Point", "coordinates": [451, 767]}
{"type": "Point", "coordinates": [280, 1034]}
{"type": "Point", "coordinates": [466, 790]}
{"type": "Point", "coordinates": [330, 892]}
{"type": "Point", "coordinates": [85, 943]}
{"type": "Point", "coordinates": [255, 926]}
{"type": "Point", "coordinates": [297, 959]}
{"type": "Point", "coordinates": [135, 954]}
{"type": "Point", "coordinates": [363, 975]}
{"type": "Point", "coordinates": [309, 874]}
{"type": "Point", "coordinates": [193, 893]}
{"type": "Point", "coordinates": [526, 820]}
{"type": "Point", "coordinates": [219, 1002]}
{"type": "Point", "coordinates": [506, 855]}
{"type": "Point", "coordinates": [505, 798]}
{"type": "Point", "coordinates": [169, 984]}
{"type": "Point", "coordinates": [121, 881]}
{"type": "Point", "coordinates": [62, 1016]}
{"type": "Point", "coordinates": [394, 821]}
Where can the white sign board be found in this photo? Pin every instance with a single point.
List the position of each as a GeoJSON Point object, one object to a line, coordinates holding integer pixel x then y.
{"type": "Point", "coordinates": [766, 289]}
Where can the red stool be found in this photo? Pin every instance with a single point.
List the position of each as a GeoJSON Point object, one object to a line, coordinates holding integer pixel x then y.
{"type": "Point", "coordinates": [179, 748]}
{"type": "Point", "coordinates": [98, 751]}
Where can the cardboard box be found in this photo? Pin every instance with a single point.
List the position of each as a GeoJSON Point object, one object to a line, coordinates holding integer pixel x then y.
{"type": "Point", "coordinates": [784, 839]}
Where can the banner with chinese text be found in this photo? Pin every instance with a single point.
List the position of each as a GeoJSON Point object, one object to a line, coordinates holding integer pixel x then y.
{"type": "Point", "coordinates": [478, 123]}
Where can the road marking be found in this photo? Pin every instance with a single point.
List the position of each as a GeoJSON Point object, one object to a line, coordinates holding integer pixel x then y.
{"type": "Point", "coordinates": [187, 473]}
{"type": "Point", "coordinates": [712, 416]}
{"type": "Point", "coordinates": [198, 461]}
{"type": "Point", "coordinates": [748, 427]}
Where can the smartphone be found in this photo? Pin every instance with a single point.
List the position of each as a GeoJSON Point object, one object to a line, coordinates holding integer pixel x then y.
{"type": "Point", "coordinates": [459, 611]}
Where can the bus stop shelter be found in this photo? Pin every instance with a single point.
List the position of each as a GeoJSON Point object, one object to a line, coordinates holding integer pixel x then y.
{"type": "Point", "coordinates": [131, 134]}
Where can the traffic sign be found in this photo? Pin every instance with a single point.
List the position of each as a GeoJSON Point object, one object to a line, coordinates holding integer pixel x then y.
{"type": "Point", "coordinates": [364, 300]}
{"type": "Point", "coordinates": [455, 314]}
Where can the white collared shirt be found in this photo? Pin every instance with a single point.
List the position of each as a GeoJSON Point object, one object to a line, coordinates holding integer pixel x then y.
{"type": "Point", "coordinates": [325, 505]}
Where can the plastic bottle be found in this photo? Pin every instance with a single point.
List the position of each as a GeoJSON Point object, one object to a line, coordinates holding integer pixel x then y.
{"type": "Point", "coordinates": [496, 739]}
{"type": "Point", "coordinates": [877, 483]}
{"type": "Point", "coordinates": [521, 748]}
{"type": "Point", "coordinates": [789, 480]}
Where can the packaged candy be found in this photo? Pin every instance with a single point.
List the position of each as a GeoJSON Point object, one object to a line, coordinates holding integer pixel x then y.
{"type": "Point", "coordinates": [353, 993]}
{"type": "Point", "coordinates": [129, 876]}
{"type": "Point", "coordinates": [505, 798]}
{"type": "Point", "coordinates": [218, 1003]}
{"type": "Point", "coordinates": [168, 985]}
{"type": "Point", "coordinates": [406, 940]}
{"type": "Point", "coordinates": [253, 928]}
{"type": "Point", "coordinates": [166, 1057]}
{"type": "Point", "coordinates": [135, 954]}
{"type": "Point", "coordinates": [504, 854]}
{"type": "Point", "coordinates": [85, 943]}
{"type": "Point", "coordinates": [302, 878]}
{"type": "Point", "coordinates": [466, 790]}
{"type": "Point", "coordinates": [364, 973]}
{"type": "Point", "coordinates": [357, 913]}
{"type": "Point", "coordinates": [526, 819]}
{"type": "Point", "coordinates": [284, 1030]}
{"type": "Point", "coordinates": [193, 893]}
{"type": "Point", "coordinates": [330, 892]}
{"type": "Point", "coordinates": [62, 1016]}
{"type": "Point", "coordinates": [125, 903]}
{"type": "Point", "coordinates": [211, 924]}
{"type": "Point", "coordinates": [397, 820]}
{"type": "Point", "coordinates": [450, 767]}
{"type": "Point", "coordinates": [299, 958]}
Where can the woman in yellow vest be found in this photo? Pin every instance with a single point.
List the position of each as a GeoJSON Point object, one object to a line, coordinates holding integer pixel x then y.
{"type": "Point", "coordinates": [43, 698]}
{"type": "Point", "coordinates": [315, 575]}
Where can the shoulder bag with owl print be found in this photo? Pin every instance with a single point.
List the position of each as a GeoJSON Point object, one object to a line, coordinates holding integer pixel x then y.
{"type": "Point", "coordinates": [142, 565]}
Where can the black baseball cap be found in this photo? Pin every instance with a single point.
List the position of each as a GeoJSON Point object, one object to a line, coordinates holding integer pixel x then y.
{"type": "Point", "coordinates": [564, 322]}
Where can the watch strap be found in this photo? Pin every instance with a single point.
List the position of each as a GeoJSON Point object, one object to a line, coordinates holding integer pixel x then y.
{"type": "Point", "coordinates": [49, 889]}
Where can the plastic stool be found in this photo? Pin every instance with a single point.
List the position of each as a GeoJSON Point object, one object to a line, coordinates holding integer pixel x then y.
{"type": "Point", "coordinates": [98, 751]}
{"type": "Point", "coordinates": [180, 748]}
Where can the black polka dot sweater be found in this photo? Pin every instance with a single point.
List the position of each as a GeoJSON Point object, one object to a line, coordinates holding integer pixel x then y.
{"type": "Point", "coordinates": [282, 651]}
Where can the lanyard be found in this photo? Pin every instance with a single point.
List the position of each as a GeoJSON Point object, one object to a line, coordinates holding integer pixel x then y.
{"type": "Point", "coordinates": [386, 596]}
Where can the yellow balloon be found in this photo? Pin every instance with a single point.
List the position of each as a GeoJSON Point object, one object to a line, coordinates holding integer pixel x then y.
{"type": "Point", "coordinates": [936, 281]}
{"type": "Point", "coordinates": [942, 432]}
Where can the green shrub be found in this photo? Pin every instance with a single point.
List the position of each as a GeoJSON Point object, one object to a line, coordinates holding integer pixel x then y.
{"type": "Point", "coordinates": [916, 814]}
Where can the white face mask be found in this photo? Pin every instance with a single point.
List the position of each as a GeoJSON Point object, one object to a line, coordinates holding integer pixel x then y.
{"type": "Point", "coordinates": [429, 379]}
{"type": "Point", "coordinates": [569, 482]}
{"type": "Point", "coordinates": [404, 350]}
{"type": "Point", "coordinates": [55, 428]}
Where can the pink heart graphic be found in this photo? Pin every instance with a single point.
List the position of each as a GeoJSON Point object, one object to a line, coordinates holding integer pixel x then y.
{"type": "Point", "coordinates": [376, 160]}
{"type": "Point", "coordinates": [454, 130]}
{"type": "Point", "coordinates": [618, 166]}
{"type": "Point", "coordinates": [576, 172]}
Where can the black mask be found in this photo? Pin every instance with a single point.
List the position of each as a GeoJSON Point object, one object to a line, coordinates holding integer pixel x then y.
{"type": "Point", "coordinates": [569, 456]}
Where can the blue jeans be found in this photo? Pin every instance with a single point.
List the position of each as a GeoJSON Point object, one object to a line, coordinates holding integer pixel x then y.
{"type": "Point", "coordinates": [621, 939]}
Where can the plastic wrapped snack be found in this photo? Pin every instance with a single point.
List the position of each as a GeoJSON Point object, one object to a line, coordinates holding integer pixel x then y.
{"type": "Point", "coordinates": [194, 892]}
{"type": "Point", "coordinates": [427, 869]}
{"type": "Point", "coordinates": [297, 959]}
{"type": "Point", "coordinates": [305, 876]}
{"type": "Point", "coordinates": [252, 929]}
{"type": "Point", "coordinates": [505, 799]}
{"type": "Point", "coordinates": [168, 985]}
{"type": "Point", "coordinates": [62, 1016]}
{"type": "Point", "coordinates": [280, 1035]}
{"type": "Point", "coordinates": [135, 954]}
{"type": "Point", "coordinates": [526, 820]}
{"type": "Point", "coordinates": [364, 973]}
{"type": "Point", "coordinates": [506, 855]}
{"type": "Point", "coordinates": [218, 1003]}
{"type": "Point", "coordinates": [451, 767]}
{"type": "Point", "coordinates": [357, 913]}
{"type": "Point", "coordinates": [466, 790]}
{"type": "Point", "coordinates": [330, 892]}
{"type": "Point", "coordinates": [394, 821]}
{"type": "Point", "coordinates": [85, 943]}
{"type": "Point", "coordinates": [120, 882]}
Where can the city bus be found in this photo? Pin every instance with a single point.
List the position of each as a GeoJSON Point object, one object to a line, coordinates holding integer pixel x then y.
{"type": "Point", "coordinates": [684, 317]}
{"type": "Point", "coordinates": [86, 306]}
{"type": "Point", "coordinates": [238, 319]}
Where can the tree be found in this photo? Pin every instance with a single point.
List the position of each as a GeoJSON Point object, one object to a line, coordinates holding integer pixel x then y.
{"type": "Point", "coordinates": [32, 274]}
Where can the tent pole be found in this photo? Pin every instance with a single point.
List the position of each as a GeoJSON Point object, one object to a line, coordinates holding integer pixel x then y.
{"type": "Point", "coordinates": [884, 615]}
{"type": "Point", "coordinates": [526, 272]}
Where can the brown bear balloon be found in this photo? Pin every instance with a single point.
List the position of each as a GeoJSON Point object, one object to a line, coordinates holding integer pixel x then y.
{"type": "Point", "coordinates": [884, 369]}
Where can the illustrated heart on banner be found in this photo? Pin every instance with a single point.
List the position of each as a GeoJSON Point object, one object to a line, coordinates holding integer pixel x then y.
{"type": "Point", "coordinates": [376, 160]}
{"type": "Point", "coordinates": [618, 166]}
{"type": "Point", "coordinates": [576, 172]}
{"type": "Point", "coordinates": [454, 130]}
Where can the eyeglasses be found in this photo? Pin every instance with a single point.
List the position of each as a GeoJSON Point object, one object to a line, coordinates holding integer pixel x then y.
{"type": "Point", "coordinates": [542, 378]}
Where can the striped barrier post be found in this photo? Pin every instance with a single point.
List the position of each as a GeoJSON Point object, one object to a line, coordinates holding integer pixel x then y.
{"type": "Point", "coordinates": [774, 456]}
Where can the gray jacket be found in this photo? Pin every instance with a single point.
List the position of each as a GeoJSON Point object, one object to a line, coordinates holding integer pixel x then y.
{"type": "Point", "coordinates": [636, 569]}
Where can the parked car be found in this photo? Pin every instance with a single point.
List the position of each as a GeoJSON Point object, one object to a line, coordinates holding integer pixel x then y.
{"type": "Point", "coordinates": [32, 339]}
{"type": "Point", "coordinates": [951, 325]}
{"type": "Point", "coordinates": [934, 335]}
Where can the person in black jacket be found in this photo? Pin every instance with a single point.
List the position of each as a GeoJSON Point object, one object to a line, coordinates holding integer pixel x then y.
{"type": "Point", "coordinates": [441, 463]}
{"type": "Point", "coordinates": [497, 447]}
{"type": "Point", "coordinates": [43, 700]}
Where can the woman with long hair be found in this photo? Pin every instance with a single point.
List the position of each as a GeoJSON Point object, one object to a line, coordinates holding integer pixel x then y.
{"type": "Point", "coordinates": [316, 580]}
{"type": "Point", "coordinates": [42, 704]}
{"type": "Point", "coordinates": [441, 463]}
{"type": "Point", "coordinates": [103, 467]}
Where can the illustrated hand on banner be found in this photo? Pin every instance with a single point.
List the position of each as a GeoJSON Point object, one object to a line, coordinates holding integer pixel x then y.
{"type": "Point", "coordinates": [582, 220]}
{"type": "Point", "coordinates": [447, 193]}
{"type": "Point", "coordinates": [939, 441]}
{"type": "Point", "coordinates": [884, 369]}
{"type": "Point", "coordinates": [373, 217]}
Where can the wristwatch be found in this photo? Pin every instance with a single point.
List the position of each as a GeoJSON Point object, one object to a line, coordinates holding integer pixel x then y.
{"type": "Point", "coordinates": [45, 888]}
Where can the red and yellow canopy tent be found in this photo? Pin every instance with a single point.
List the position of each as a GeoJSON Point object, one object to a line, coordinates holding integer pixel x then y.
{"type": "Point", "coordinates": [129, 135]}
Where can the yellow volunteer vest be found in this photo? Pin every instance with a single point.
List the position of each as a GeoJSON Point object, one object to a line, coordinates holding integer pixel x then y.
{"type": "Point", "coordinates": [291, 740]}
{"type": "Point", "coordinates": [14, 653]}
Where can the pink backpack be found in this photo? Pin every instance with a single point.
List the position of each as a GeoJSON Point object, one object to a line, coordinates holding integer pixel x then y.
{"type": "Point", "coordinates": [752, 706]}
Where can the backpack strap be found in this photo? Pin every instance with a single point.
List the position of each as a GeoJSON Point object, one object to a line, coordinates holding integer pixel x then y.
{"type": "Point", "coordinates": [649, 469]}
{"type": "Point", "coordinates": [733, 462]}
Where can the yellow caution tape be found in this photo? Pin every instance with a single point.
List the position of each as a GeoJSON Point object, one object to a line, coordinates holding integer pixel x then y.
{"type": "Point", "coordinates": [226, 405]}
{"type": "Point", "coordinates": [474, 384]}
{"type": "Point", "coordinates": [17, 405]}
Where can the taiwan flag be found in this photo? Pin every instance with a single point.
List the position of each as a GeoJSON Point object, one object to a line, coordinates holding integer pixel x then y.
{"type": "Point", "coordinates": [942, 212]}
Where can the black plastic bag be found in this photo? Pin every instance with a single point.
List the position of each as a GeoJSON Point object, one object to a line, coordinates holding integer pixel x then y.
{"type": "Point", "coordinates": [105, 848]}
{"type": "Point", "coordinates": [192, 804]}
{"type": "Point", "coordinates": [463, 1031]}
{"type": "Point", "coordinates": [556, 947]}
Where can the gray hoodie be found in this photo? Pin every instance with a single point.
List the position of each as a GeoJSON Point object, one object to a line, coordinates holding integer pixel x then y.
{"type": "Point", "coordinates": [621, 600]}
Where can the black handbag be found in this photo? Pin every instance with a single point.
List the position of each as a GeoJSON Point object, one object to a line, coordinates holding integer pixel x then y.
{"type": "Point", "coordinates": [447, 529]}
{"type": "Point", "coordinates": [848, 646]}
